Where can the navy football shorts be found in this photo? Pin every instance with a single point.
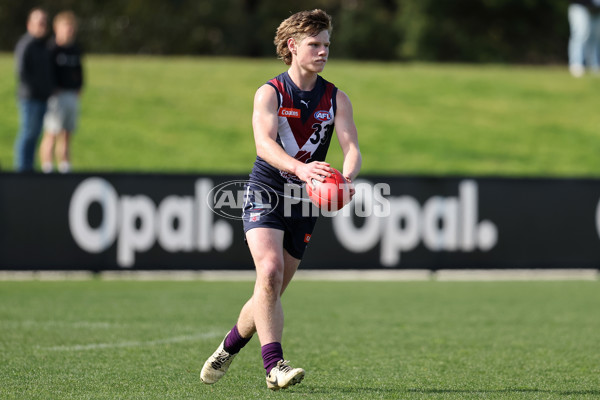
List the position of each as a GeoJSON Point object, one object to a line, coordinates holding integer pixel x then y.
{"type": "Point", "coordinates": [267, 210]}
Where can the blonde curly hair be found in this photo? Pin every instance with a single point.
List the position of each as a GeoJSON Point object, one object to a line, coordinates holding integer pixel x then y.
{"type": "Point", "coordinates": [299, 26]}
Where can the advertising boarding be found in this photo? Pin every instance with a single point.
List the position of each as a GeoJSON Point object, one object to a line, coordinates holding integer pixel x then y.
{"type": "Point", "coordinates": [169, 221]}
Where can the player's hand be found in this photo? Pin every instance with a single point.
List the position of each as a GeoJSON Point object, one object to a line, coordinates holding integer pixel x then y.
{"type": "Point", "coordinates": [317, 170]}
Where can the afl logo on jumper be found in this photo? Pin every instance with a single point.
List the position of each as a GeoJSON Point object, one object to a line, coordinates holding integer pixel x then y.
{"type": "Point", "coordinates": [323, 116]}
{"type": "Point", "coordinates": [289, 112]}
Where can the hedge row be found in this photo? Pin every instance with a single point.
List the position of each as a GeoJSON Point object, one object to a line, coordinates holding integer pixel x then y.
{"type": "Point", "coordinates": [521, 31]}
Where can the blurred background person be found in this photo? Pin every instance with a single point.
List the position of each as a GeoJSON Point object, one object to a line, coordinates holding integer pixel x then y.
{"type": "Point", "coordinates": [584, 42]}
{"type": "Point", "coordinates": [63, 106]}
{"type": "Point", "coordinates": [35, 85]}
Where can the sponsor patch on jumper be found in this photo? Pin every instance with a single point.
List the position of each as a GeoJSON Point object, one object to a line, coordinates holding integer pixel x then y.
{"type": "Point", "coordinates": [306, 238]}
{"type": "Point", "coordinates": [289, 112]}
{"type": "Point", "coordinates": [323, 115]}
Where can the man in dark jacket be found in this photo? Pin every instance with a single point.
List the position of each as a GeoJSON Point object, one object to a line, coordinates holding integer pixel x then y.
{"type": "Point", "coordinates": [35, 85]}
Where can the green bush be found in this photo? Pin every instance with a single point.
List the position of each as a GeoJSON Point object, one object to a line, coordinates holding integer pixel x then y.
{"type": "Point", "coordinates": [521, 31]}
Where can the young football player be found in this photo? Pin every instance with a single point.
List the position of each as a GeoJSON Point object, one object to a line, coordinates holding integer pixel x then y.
{"type": "Point", "coordinates": [293, 120]}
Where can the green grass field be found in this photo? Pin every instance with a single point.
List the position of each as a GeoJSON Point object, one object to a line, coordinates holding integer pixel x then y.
{"type": "Point", "coordinates": [193, 115]}
{"type": "Point", "coordinates": [357, 340]}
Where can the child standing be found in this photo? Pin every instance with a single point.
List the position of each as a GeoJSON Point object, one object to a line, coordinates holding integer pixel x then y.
{"type": "Point", "coordinates": [63, 106]}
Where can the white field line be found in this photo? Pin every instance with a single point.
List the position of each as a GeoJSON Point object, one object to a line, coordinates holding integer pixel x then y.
{"type": "Point", "coordinates": [60, 324]}
{"type": "Point", "coordinates": [484, 275]}
{"type": "Point", "coordinates": [384, 275]}
{"type": "Point", "coordinates": [57, 324]}
{"type": "Point", "coordinates": [309, 274]}
{"type": "Point", "coordinates": [134, 343]}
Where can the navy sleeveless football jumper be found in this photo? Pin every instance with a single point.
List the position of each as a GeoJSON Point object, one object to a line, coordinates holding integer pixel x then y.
{"type": "Point", "coordinates": [306, 123]}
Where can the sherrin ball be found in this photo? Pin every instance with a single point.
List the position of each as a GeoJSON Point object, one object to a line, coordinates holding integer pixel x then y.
{"type": "Point", "coordinates": [332, 194]}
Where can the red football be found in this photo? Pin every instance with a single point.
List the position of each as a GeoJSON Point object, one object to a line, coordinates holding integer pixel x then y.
{"type": "Point", "coordinates": [330, 195]}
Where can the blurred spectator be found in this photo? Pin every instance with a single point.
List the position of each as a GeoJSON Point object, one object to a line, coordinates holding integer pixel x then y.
{"type": "Point", "coordinates": [63, 106]}
{"type": "Point", "coordinates": [584, 43]}
{"type": "Point", "coordinates": [35, 84]}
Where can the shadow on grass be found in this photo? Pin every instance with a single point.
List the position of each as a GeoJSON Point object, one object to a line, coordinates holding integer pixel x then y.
{"type": "Point", "coordinates": [514, 390]}
{"type": "Point", "coordinates": [384, 390]}
{"type": "Point", "coordinates": [350, 389]}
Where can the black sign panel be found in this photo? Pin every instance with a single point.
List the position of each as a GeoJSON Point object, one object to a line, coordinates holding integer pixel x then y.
{"type": "Point", "coordinates": [168, 221]}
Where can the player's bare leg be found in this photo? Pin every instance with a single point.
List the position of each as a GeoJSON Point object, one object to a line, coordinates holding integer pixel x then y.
{"type": "Point", "coordinates": [266, 246]}
{"type": "Point", "coordinates": [283, 375]}
{"type": "Point", "coordinates": [275, 268]}
{"type": "Point", "coordinates": [245, 321]}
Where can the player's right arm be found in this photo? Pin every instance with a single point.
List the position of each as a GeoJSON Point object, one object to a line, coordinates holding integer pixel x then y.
{"type": "Point", "coordinates": [265, 122]}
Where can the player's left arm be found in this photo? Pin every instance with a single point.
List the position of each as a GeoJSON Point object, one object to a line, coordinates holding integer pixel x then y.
{"type": "Point", "coordinates": [347, 136]}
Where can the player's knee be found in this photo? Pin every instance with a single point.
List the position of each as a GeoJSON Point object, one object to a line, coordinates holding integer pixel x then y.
{"type": "Point", "coordinates": [271, 277]}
